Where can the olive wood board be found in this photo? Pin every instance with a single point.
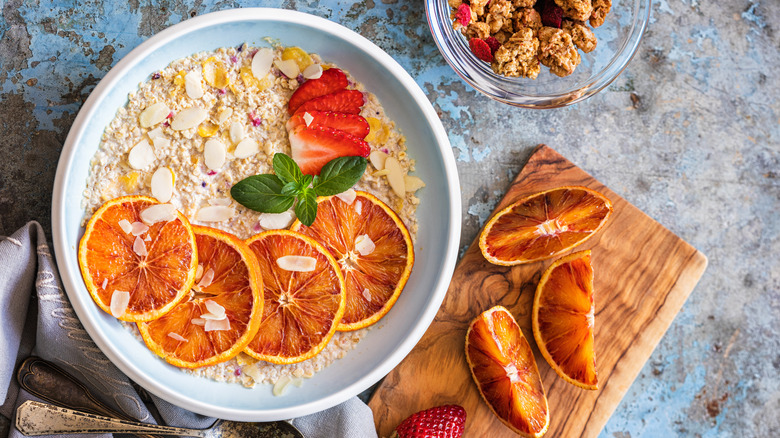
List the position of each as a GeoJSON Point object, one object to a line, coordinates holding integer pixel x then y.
{"type": "Point", "coordinates": [643, 275]}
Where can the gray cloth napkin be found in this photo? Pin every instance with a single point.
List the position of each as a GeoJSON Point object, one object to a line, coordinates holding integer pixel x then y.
{"type": "Point", "coordinates": [26, 266]}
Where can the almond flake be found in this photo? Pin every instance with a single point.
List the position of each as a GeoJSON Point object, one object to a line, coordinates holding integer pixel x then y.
{"type": "Point", "coordinates": [126, 226]}
{"type": "Point", "coordinates": [348, 196]}
{"type": "Point", "coordinates": [220, 201]}
{"type": "Point", "coordinates": [236, 132]}
{"type": "Point", "coordinates": [366, 294]}
{"type": "Point", "coordinates": [178, 337]}
{"type": "Point", "coordinates": [188, 118]}
{"type": "Point", "coordinates": [246, 148]}
{"type": "Point", "coordinates": [413, 183]}
{"type": "Point", "coordinates": [261, 63]}
{"type": "Point", "coordinates": [359, 208]}
{"type": "Point", "coordinates": [105, 283]}
{"type": "Point", "coordinates": [148, 238]}
{"type": "Point", "coordinates": [161, 142]}
{"type": "Point", "coordinates": [193, 84]}
{"type": "Point", "coordinates": [208, 316]}
{"type": "Point", "coordinates": [153, 114]}
{"type": "Point", "coordinates": [154, 133]}
{"type": "Point", "coordinates": [395, 176]}
{"type": "Point", "coordinates": [206, 280]}
{"type": "Point", "coordinates": [138, 228]}
{"type": "Point", "coordinates": [308, 118]}
{"type": "Point", "coordinates": [297, 263]}
{"type": "Point", "coordinates": [158, 213]}
{"type": "Point", "coordinates": [276, 221]}
{"type": "Point", "coordinates": [139, 247]}
{"type": "Point", "coordinates": [119, 302]}
{"type": "Point", "coordinates": [313, 71]}
{"type": "Point", "coordinates": [214, 153]}
{"type": "Point", "coordinates": [162, 184]}
{"type": "Point", "coordinates": [215, 213]}
{"type": "Point", "coordinates": [377, 159]}
{"type": "Point", "coordinates": [198, 321]}
{"type": "Point", "coordinates": [288, 68]}
{"type": "Point", "coordinates": [364, 245]}
{"type": "Point", "coordinates": [213, 307]}
{"type": "Point", "coordinates": [224, 114]}
{"type": "Point", "coordinates": [281, 385]}
{"type": "Point", "coordinates": [141, 155]}
{"type": "Point", "coordinates": [199, 272]}
{"type": "Point", "coordinates": [217, 325]}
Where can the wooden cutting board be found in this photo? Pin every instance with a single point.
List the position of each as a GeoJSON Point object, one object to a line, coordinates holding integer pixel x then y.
{"type": "Point", "coordinates": [643, 275]}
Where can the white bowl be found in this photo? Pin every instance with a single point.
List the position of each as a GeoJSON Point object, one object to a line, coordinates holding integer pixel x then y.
{"type": "Point", "coordinates": [439, 212]}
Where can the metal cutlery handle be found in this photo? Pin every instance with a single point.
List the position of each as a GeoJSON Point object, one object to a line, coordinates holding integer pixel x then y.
{"type": "Point", "coordinates": [36, 418]}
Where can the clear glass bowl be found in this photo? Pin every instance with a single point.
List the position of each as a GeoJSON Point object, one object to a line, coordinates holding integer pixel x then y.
{"type": "Point", "coordinates": [618, 40]}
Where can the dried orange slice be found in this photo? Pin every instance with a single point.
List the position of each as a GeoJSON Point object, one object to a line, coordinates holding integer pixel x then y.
{"type": "Point", "coordinates": [152, 266]}
{"type": "Point", "coordinates": [221, 315]}
{"type": "Point", "coordinates": [563, 319]}
{"type": "Point", "coordinates": [543, 225]}
{"type": "Point", "coordinates": [303, 293]}
{"type": "Point", "coordinates": [373, 249]}
{"type": "Point", "coordinates": [503, 366]}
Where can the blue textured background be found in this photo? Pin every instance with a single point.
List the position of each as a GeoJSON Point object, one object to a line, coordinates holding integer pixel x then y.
{"type": "Point", "coordinates": [689, 133]}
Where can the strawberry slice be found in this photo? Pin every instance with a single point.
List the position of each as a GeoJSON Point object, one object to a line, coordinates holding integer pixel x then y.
{"type": "Point", "coordinates": [352, 124]}
{"type": "Point", "coordinates": [313, 146]}
{"type": "Point", "coordinates": [332, 80]}
{"type": "Point", "coordinates": [344, 101]}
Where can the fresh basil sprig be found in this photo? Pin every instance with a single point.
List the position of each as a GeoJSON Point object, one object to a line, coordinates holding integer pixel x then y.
{"type": "Point", "coordinates": [270, 193]}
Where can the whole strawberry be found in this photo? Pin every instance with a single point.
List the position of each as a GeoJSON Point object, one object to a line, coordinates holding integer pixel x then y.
{"type": "Point", "coordinates": [440, 422]}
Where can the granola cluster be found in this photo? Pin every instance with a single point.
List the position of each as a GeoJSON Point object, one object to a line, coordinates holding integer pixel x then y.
{"type": "Point", "coordinates": [522, 34]}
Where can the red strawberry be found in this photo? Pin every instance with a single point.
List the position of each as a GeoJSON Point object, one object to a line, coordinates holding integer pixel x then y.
{"type": "Point", "coordinates": [493, 43]}
{"type": "Point", "coordinates": [439, 422]}
{"type": "Point", "coordinates": [481, 49]}
{"type": "Point", "coordinates": [313, 146]}
{"type": "Point", "coordinates": [350, 123]}
{"type": "Point", "coordinates": [552, 14]}
{"type": "Point", "coordinates": [332, 80]}
{"type": "Point", "coordinates": [344, 101]}
{"type": "Point", "coordinates": [463, 14]}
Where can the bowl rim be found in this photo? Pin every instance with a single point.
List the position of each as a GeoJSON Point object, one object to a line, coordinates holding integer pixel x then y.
{"type": "Point", "coordinates": [70, 272]}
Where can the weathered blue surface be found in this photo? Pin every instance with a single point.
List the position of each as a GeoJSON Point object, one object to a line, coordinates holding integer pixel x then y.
{"type": "Point", "coordinates": [690, 133]}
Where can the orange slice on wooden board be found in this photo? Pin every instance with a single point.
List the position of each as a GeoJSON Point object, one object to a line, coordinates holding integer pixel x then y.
{"type": "Point", "coordinates": [563, 319]}
{"type": "Point", "coordinates": [222, 314]}
{"type": "Point", "coordinates": [543, 225]}
{"type": "Point", "coordinates": [304, 297]}
{"type": "Point", "coordinates": [503, 366]}
{"type": "Point", "coordinates": [373, 249]}
{"type": "Point", "coordinates": [142, 269]}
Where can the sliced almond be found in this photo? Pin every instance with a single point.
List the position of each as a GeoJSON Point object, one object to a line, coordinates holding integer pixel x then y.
{"type": "Point", "coordinates": [224, 114]}
{"type": "Point", "coordinates": [220, 201]}
{"type": "Point", "coordinates": [217, 325]}
{"type": "Point", "coordinates": [246, 148]}
{"type": "Point", "coordinates": [366, 294]}
{"type": "Point", "coordinates": [313, 71]}
{"type": "Point", "coordinates": [359, 208]}
{"type": "Point", "coordinates": [308, 118]}
{"type": "Point", "coordinates": [188, 118]}
{"type": "Point", "coordinates": [214, 307]}
{"type": "Point", "coordinates": [198, 321]}
{"type": "Point", "coordinates": [261, 63]}
{"type": "Point", "coordinates": [158, 213]}
{"type": "Point", "coordinates": [162, 184]}
{"type": "Point", "coordinates": [295, 263]}
{"type": "Point", "coordinates": [105, 283]}
{"type": "Point", "coordinates": [413, 183]}
{"type": "Point", "coordinates": [288, 68]}
{"type": "Point", "coordinates": [141, 155]}
{"type": "Point", "coordinates": [153, 114]}
{"type": "Point", "coordinates": [276, 221]}
{"type": "Point", "coordinates": [199, 272]}
{"type": "Point", "coordinates": [126, 226]}
{"type": "Point", "coordinates": [236, 132]}
{"type": "Point", "coordinates": [138, 228]}
{"type": "Point", "coordinates": [214, 153]}
{"type": "Point", "coordinates": [178, 337]}
{"type": "Point", "coordinates": [154, 133]}
{"type": "Point", "coordinates": [148, 238]}
{"type": "Point", "coordinates": [206, 279]}
{"type": "Point", "coordinates": [161, 142]}
{"type": "Point", "coordinates": [139, 247]}
{"type": "Point", "coordinates": [215, 213]}
{"type": "Point", "coordinates": [395, 176]}
{"type": "Point", "coordinates": [364, 245]}
{"type": "Point", "coordinates": [281, 385]}
{"type": "Point", "coordinates": [119, 302]}
{"type": "Point", "coordinates": [348, 196]}
{"type": "Point", "coordinates": [193, 84]}
{"type": "Point", "coordinates": [377, 159]}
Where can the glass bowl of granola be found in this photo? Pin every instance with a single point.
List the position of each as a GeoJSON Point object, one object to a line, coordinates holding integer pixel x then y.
{"type": "Point", "coordinates": [164, 138]}
{"type": "Point", "coordinates": [538, 53]}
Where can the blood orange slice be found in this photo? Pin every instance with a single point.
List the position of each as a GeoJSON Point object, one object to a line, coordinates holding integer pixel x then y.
{"type": "Point", "coordinates": [152, 266]}
{"type": "Point", "coordinates": [544, 225]}
{"type": "Point", "coordinates": [373, 249]}
{"type": "Point", "coordinates": [303, 293]}
{"type": "Point", "coordinates": [221, 315]}
{"type": "Point", "coordinates": [563, 319]}
{"type": "Point", "coordinates": [503, 366]}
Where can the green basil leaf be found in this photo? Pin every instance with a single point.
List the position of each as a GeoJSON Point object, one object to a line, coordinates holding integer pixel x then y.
{"type": "Point", "coordinates": [306, 207]}
{"type": "Point", "coordinates": [340, 174]}
{"type": "Point", "coordinates": [286, 169]}
{"type": "Point", "coordinates": [292, 188]}
{"type": "Point", "coordinates": [262, 193]}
